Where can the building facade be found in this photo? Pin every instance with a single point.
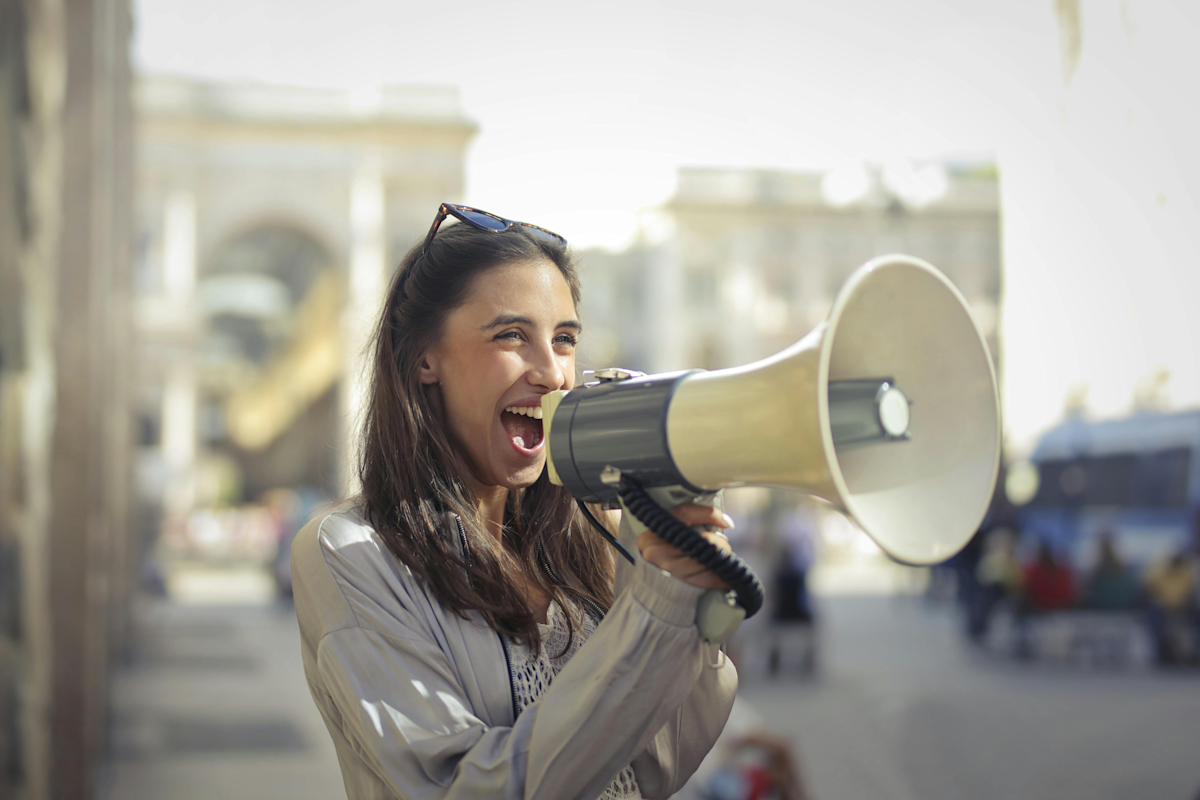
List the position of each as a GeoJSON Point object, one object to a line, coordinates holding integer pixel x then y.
{"type": "Point", "coordinates": [269, 220]}
{"type": "Point", "coordinates": [745, 262]}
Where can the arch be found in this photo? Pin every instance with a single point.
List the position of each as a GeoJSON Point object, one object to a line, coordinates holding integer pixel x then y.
{"type": "Point", "coordinates": [253, 283]}
{"type": "Point", "coordinates": [272, 297]}
{"type": "Point", "coordinates": [286, 252]}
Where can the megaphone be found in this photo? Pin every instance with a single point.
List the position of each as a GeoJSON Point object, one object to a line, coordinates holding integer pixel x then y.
{"type": "Point", "coordinates": [887, 410]}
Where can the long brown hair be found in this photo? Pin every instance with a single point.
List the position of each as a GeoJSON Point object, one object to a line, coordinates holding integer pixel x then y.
{"type": "Point", "coordinates": [412, 477]}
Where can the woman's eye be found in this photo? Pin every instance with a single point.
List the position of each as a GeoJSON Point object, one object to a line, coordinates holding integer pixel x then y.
{"type": "Point", "coordinates": [562, 340]}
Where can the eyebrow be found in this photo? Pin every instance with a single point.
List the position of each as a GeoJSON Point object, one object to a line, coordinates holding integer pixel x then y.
{"type": "Point", "coordinates": [508, 319]}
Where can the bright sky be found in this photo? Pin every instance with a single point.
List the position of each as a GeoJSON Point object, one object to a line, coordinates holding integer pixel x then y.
{"type": "Point", "coordinates": [586, 112]}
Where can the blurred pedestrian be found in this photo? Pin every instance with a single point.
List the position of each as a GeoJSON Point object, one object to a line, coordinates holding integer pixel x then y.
{"type": "Point", "coordinates": [999, 579]}
{"type": "Point", "coordinates": [1111, 586]}
{"type": "Point", "coordinates": [791, 610]}
{"type": "Point", "coordinates": [1170, 587]}
{"type": "Point", "coordinates": [283, 508]}
{"type": "Point", "coordinates": [1047, 584]}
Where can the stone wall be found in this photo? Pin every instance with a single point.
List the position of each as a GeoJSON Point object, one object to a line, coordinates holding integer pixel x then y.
{"type": "Point", "coordinates": [65, 160]}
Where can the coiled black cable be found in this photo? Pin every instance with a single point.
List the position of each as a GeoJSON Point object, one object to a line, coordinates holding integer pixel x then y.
{"type": "Point", "coordinates": [727, 566]}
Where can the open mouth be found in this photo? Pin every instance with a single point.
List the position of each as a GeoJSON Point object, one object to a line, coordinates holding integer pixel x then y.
{"type": "Point", "coordinates": [523, 426]}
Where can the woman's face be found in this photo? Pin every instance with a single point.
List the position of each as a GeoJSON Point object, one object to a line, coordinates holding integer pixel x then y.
{"type": "Point", "coordinates": [511, 342]}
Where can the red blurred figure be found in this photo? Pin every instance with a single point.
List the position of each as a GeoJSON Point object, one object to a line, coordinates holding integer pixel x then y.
{"type": "Point", "coordinates": [1048, 584]}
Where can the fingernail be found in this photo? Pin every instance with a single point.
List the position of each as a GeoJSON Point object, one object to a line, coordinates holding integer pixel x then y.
{"type": "Point", "coordinates": [727, 519]}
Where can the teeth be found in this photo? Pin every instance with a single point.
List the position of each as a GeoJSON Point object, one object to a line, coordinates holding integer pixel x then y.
{"type": "Point", "coordinates": [526, 411]}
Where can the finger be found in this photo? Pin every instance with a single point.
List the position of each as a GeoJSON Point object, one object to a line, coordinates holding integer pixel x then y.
{"type": "Point", "coordinates": [658, 557]}
{"type": "Point", "coordinates": [650, 539]}
{"type": "Point", "coordinates": [656, 551]}
{"type": "Point", "coordinates": [708, 580]}
{"type": "Point", "coordinates": [694, 514]}
{"type": "Point", "coordinates": [680, 566]}
{"type": "Point", "coordinates": [675, 562]}
{"type": "Point", "coordinates": [670, 559]}
{"type": "Point", "coordinates": [718, 541]}
{"type": "Point", "coordinates": [690, 572]}
{"type": "Point", "coordinates": [703, 578]}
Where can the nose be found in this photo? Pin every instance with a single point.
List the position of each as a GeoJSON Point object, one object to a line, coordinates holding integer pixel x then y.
{"type": "Point", "coordinates": [546, 369]}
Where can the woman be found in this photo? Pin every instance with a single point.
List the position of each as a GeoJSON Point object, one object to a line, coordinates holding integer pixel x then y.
{"type": "Point", "coordinates": [465, 634]}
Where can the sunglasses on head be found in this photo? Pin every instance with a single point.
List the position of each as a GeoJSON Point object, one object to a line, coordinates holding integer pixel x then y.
{"type": "Point", "coordinates": [485, 221]}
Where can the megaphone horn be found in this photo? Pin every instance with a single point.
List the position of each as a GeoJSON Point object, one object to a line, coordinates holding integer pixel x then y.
{"type": "Point", "coordinates": [888, 410]}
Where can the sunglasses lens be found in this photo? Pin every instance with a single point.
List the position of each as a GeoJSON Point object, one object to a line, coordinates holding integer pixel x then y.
{"type": "Point", "coordinates": [483, 220]}
{"type": "Point", "coordinates": [544, 234]}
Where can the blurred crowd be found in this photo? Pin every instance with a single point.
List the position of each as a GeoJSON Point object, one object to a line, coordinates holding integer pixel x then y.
{"type": "Point", "coordinates": [257, 534]}
{"type": "Point", "coordinates": [1162, 596]}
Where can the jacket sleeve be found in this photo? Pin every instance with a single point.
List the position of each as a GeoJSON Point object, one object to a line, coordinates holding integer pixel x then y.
{"type": "Point", "coordinates": [675, 752]}
{"type": "Point", "coordinates": [403, 711]}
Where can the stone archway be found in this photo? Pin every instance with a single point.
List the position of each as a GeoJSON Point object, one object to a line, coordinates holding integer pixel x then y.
{"type": "Point", "coordinates": [271, 355]}
{"type": "Point", "coordinates": [253, 283]}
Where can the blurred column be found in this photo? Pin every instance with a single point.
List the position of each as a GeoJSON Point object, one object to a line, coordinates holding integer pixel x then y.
{"type": "Point", "coordinates": [667, 328]}
{"type": "Point", "coordinates": [74, 115]}
{"type": "Point", "coordinates": [179, 247]}
{"type": "Point", "coordinates": [179, 399]}
{"type": "Point", "coordinates": [365, 288]}
{"type": "Point", "coordinates": [179, 438]}
{"type": "Point", "coordinates": [22, 506]}
{"type": "Point", "coordinates": [812, 284]}
{"type": "Point", "coordinates": [740, 295]}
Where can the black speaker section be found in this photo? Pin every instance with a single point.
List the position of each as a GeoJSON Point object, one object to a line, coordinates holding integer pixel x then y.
{"type": "Point", "coordinates": [622, 424]}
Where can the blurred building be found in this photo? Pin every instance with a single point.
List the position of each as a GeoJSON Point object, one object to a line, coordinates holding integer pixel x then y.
{"type": "Point", "coordinates": [268, 222]}
{"type": "Point", "coordinates": [741, 263]}
{"type": "Point", "coordinates": [65, 562]}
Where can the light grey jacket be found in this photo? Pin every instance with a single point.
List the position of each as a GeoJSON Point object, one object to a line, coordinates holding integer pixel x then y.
{"type": "Point", "coordinates": [419, 701]}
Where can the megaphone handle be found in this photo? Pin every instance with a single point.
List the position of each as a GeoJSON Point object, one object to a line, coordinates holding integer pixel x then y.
{"type": "Point", "coordinates": [717, 613]}
{"type": "Point", "coordinates": [648, 514]}
{"type": "Point", "coordinates": [671, 496]}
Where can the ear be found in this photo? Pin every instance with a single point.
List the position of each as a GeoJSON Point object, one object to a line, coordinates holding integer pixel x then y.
{"type": "Point", "coordinates": [429, 370]}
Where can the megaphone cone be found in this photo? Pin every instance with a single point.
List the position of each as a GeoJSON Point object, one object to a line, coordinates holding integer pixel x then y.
{"type": "Point", "coordinates": [771, 423]}
{"type": "Point", "coordinates": [829, 416]}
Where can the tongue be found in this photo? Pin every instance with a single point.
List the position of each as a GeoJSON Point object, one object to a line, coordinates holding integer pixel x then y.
{"type": "Point", "coordinates": [524, 431]}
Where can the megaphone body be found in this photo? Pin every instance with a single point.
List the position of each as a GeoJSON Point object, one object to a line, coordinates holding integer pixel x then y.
{"type": "Point", "coordinates": [888, 410]}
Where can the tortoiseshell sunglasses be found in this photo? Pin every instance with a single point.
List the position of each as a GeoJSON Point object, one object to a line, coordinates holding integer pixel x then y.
{"type": "Point", "coordinates": [484, 221]}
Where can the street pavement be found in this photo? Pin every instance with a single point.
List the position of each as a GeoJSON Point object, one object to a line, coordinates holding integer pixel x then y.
{"type": "Point", "coordinates": [902, 708]}
{"type": "Point", "coordinates": [213, 704]}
